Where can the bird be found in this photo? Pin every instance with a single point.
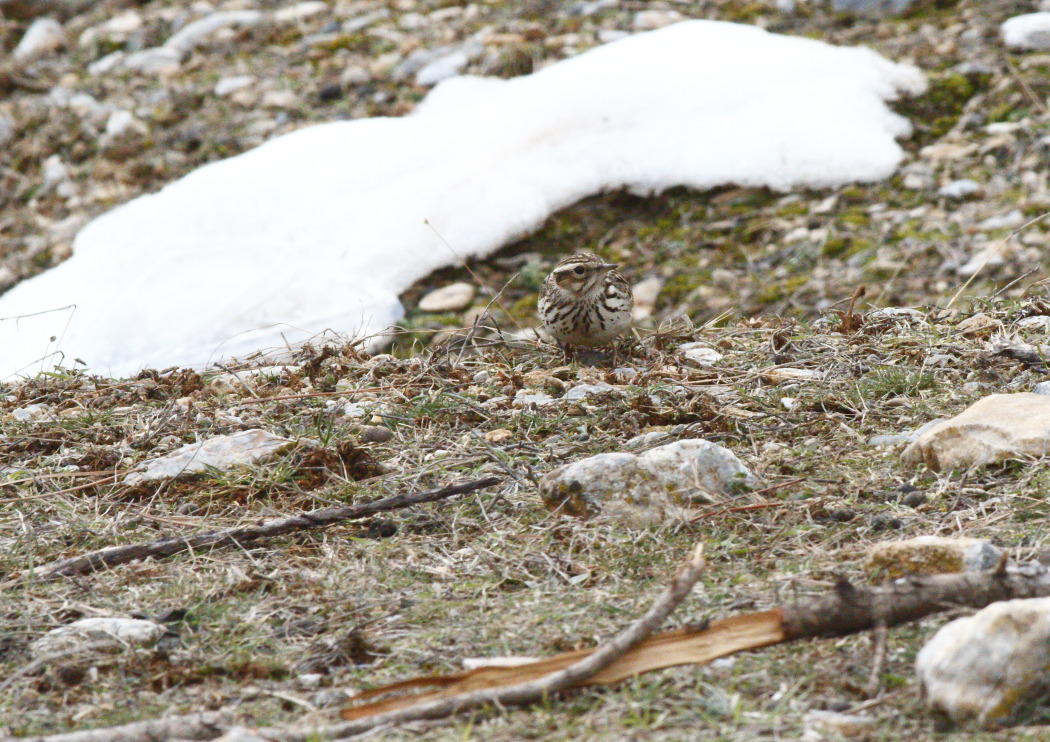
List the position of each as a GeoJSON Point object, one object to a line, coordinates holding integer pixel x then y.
{"type": "Point", "coordinates": [585, 302]}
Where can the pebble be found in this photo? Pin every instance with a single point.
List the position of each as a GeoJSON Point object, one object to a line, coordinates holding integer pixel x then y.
{"type": "Point", "coordinates": [155, 61]}
{"type": "Point", "coordinates": [448, 65]}
{"type": "Point", "coordinates": [960, 189]}
{"type": "Point", "coordinates": [871, 8]}
{"type": "Point", "coordinates": [499, 435]}
{"type": "Point", "coordinates": [699, 354]}
{"type": "Point", "coordinates": [300, 11]}
{"type": "Point", "coordinates": [1043, 387]}
{"type": "Point", "coordinates": [1039, 322]}
{"type": "Point", "coordinates": [646, 292]}
{"type": "Point", "coordinates": [451, 298]}
{"type": "Point", "coordinates": [106, 64]}
{"type": "Point", "coordinates": [650, 20]}
{"type": "Point", "coordinates": [227, 85]}
{"type": "Point", "coordinates": [582, 391]}
{"type": "Point", "coordinates": [194, 34]}
{"type": "Point", "coordinates": [43, 35]}
{"type": "Point", "coordinates": [1030, 31]}
{"type": "Point", "coordinates": [376, 434]}
{"type": "Point", "coordinates": [57, 178]}
{"type": "Point", "coordinates": [647, 439]}
{"type": "Point", "coordinates": [221, 452]}
{"type": "Point", "coordinates": [116, 30]}
{"type": "Point", "coordinates": [7, 127]}
{"type": "Point", "coordinates": [1008, 220]}
{"type": "Point", "coordinates": [831, 726]}
{"type": "Point", "coordinates": [987, 669]}
{"type": "Point", "coordinates": [80, 635]}
{"type": "Point", "coordinates": [525, 399]}
{"type": "Point", "coordinates": [29, 413]}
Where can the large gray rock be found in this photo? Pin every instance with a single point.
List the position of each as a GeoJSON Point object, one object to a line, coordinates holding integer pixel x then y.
{"type": "Point", "coordinates": [648, 487]}
{"type": "Point", "coordinates": [221, 452]}
{"type": "Point", "coordinates": [989, 668]}
{"type": "Point", "coordinates": [996, 428]}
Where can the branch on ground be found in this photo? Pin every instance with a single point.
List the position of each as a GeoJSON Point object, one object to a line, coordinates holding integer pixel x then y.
{"type": "Point", "coordinates": [245, 536]}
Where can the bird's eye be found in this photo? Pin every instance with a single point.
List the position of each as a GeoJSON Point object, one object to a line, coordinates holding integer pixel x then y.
{"type": "Point", "coordinates": [578, 270]}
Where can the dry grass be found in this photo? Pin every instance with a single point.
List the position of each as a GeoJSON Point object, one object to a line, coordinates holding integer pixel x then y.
{"type": "Point", "coordinates": [492, 573]}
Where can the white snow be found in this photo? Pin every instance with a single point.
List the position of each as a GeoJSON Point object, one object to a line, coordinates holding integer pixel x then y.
{"type": "Point", "coordinates": [1030, 31]}
{"type": "Point", "coordinates": [322, 228]}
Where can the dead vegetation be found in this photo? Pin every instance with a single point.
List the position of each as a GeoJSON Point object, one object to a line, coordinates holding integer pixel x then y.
{"type": "Point", "coordinates": [272, 629]}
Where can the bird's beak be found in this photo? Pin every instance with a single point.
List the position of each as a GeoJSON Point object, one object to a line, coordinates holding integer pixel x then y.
{"type": "Point", "coordinates": [609, 266]}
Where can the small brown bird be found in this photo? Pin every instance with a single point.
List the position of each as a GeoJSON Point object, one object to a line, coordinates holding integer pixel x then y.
{"type": "Point", "coordinates": [585, 302]}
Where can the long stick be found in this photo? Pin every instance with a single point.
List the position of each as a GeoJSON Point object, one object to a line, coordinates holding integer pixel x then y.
{"type": "Point", "coordinates": [244, 535]}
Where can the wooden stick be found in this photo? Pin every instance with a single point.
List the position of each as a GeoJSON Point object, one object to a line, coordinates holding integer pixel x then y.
{"type": "Point", "coordinates": [244, 535]}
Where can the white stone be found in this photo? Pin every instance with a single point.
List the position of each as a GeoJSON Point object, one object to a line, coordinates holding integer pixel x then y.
{"type": "Point", "coordinates": [227, 85]}
{"type": "Point", "coordinates": [648, 487]}
{"type": "Point", "coordinates": [108, 63]}
{"type": "Point", "coordinates": [443, 68]}
{"type": "Point", "coordinates": [7, 127]}
{"type": "Point", "coordinates": [300, 11]}
{"type": "Point", "coordinates": [959, 189]}
{"type": "Point", "coordinates": [29, 413]}
{"type": "Point", "coordinates": [582, 391]}
{"type": "Point", "coordinates": [156, 61]}
{"type": "Point", "coordinates": [113, 632]}
{"type": "Point", "coordinates": [280, 99]}
{"type": "Point", "coordinates": [645, 293]}
{"type": "Point", "coordinates": [1043, 387]}
{"type": "Point", "coordinates": [1030, 31]}
{"type": "Point", "coordinates": [1039, 322]}
{"type": "Point", "coordinates": [647, 439]}
{"type": "Point", "coordinates": [897, 313]}
{"type": "Point", "coordinates": [123, 122]}
{"type": "Point", "coordinates": [997, 428]}
{"type": "Point", "coordinates": [831, 726]}
{"type": "Point", "coordinates": [240, 734]}
{"type": "Point", "coordinates": [116, 30]}
{"type": "Point", "coordinates": [449, 298]}
{"type": "Point", "coordinates": [221, 452]}
{"type": "Point", "coordinates": [894, 438]}
{"type": "Point", "coordinates": [650, 20]}
{"type": "Point", "coordinates": [194, 34]}
{"type": "Point", "coordinates": [699, 354]}
{"type": "Point", "coordinates": [787, 374]}
{"type": "Point", "coordinates": [525, 399]}
{"type": "Point", "coordinates": [56, 176]}
{"type": "Point", "coordinates": [43, 35]}
{"type": "Point", "coordinates": [982, 669]}
{"type": "Point", "coordinates": [1008, 220]}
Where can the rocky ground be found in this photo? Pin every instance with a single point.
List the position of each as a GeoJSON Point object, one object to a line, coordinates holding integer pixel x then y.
{"type": "Point", "coordinates": [100, 114]}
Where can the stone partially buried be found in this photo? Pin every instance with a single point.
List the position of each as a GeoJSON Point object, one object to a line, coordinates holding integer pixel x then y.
{"type": "Point", "coordinates": [639, 489]}
{"type": "Point", "coordinates": [995, 429]}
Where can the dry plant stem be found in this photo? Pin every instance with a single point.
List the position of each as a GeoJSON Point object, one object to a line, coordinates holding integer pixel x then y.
{"type": "Point", "coordinates": [245, 535]}
{"type": "Point", "coordinates": [529, 692]}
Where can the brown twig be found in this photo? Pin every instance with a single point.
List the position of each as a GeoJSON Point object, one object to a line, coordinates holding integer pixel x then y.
{"type": "Point", "coordinates": [245, 535]}
{"type": "Point", "coordinates": [879, 638]}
